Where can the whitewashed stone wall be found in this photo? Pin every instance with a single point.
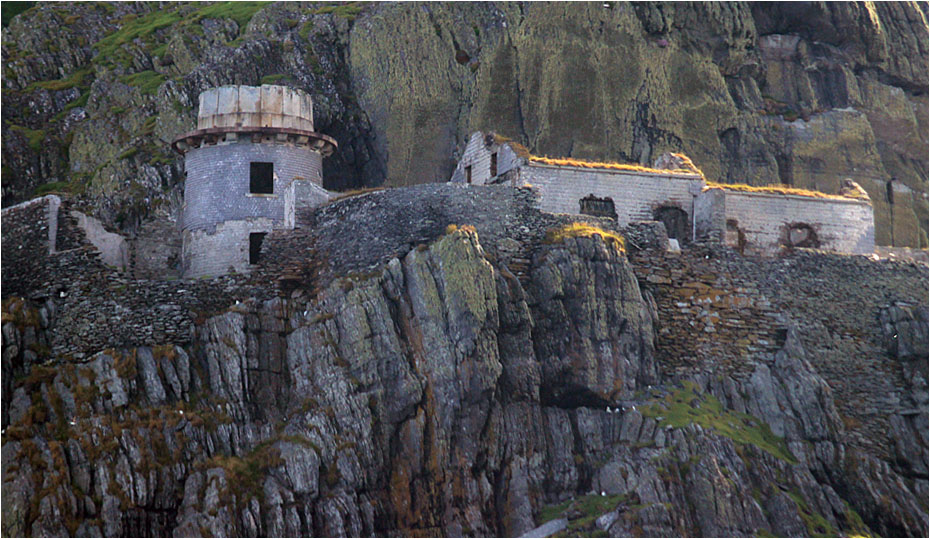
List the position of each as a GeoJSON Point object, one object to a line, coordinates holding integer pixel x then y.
{"type": "Point", "coordinates": [845, 226]}
{"type": "Point", "coordinates": [477, 155]}
{"type": "Point", "coordinates": [211, 253]}
{"type": "Point", "coordinates": [636, 195]}
{"type": "Point", "coordinates": [217, 186]}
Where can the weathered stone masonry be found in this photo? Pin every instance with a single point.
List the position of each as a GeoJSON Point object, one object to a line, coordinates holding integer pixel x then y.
{"type": "Point", "coordinates": [762, 222]}
{"type": "Point", "coordinates": [768, 221]}
{"type": "Point", "coordinates": [227, 200]}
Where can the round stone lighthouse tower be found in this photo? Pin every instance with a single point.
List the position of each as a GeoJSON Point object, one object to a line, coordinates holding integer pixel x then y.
{"type": "Point", "coordinates": [253, 159]}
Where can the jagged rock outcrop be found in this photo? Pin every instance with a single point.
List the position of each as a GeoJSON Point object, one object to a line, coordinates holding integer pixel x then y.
{"type": "Point", "coordinates": [803, 94]}
{"type": "Point", "coordinates": [437, 394]}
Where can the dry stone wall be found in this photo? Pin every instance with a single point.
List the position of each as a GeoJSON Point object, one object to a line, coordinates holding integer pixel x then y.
{"type": "Point", "coordinates": [719, 311]}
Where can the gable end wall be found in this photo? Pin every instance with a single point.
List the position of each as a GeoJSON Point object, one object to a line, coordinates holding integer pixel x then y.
{"type": "Point", "coordinates": [478, 156]}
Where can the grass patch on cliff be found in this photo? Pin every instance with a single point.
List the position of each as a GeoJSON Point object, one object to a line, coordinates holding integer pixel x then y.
{"type": "Point", "coordinates": [79, 102]}
{"type": "Point", "coordinates": [816, 524]}
{"type": "Point", "coordinates": [77, 79]}
{"type": "Point", "coordinates": [585, 230]}
{"type": "Point", "coordinates": [34, 137]}
{"type": "Point", "coordinates": [52, 187]}
{"type": "Point", "coordinates": [686, 406]}
{"type": "Point", "coordinates": [147, 81]}
{"type": "Point", "coordinates": [241, 12]}
{"type": "Point", "coordinates": [245, 475]}
{"type": "Point", "coordinates": [274, 79]}
{"type": "Point", "coordinates": [141, 27]}
{"type": "Point", "coordinates": [346, 10]}
{"type": "Point", "coordinates": [144, 27]}
{"type": "Point", "coordinates": [582, 512]}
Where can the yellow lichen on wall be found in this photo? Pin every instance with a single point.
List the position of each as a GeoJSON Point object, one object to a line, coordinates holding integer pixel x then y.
{"type": "Point", "coordinates": [777, 189]}
{"type": "Point", "coordinates": [571, 162]}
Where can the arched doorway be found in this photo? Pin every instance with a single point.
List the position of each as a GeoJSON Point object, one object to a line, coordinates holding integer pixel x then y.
{"type": "Point", "coordinates": [677, 222]}
{"type": "Point", "coordinates": [801, 235]}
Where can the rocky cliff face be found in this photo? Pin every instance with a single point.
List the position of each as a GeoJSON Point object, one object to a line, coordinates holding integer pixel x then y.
{"type": "Point", "coordinates": [802, 94]}
{"type": "Point", "coordinates": [438, 394]}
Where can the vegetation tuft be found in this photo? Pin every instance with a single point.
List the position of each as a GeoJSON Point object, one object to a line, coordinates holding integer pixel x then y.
{"type": "Point", "coordinates": [585, 230]}
{"type": "Point", "coordinates": [686, 406]}
{"type": "Point", "coordinates": [146, 81]}
{"type": "Point", "coordinates": [585, 511]}
{"type": "Point", "coordinates": [346, 10]}
{"type": "Point", "coordinates": [34, 137]}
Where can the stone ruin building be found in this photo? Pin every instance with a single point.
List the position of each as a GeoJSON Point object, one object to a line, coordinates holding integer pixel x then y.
{"type": "Point", "coordinates": [760, 220]}
{"type": "Point", "coordinates": [252, 162]}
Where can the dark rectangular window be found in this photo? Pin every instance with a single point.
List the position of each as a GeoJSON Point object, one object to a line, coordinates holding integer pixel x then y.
{"type": "Point", "coordinates": [255, 246]}
{"type": "Point", "coordinates": [261, 178]}
{"type": "Point", "coordinates": [468, 174]}
{"type": "Point", "coordinates": [494, 164]}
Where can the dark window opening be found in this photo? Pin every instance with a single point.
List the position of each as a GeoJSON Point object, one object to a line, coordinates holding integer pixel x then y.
{"type": "Point", "coordinates": [889, 190]}
{"type": "Point", "coordinates": [255, 246]}
{"type": "Point", "coordinates": [599, 207]}
{"type": "Point", "coordinates": [494, 164]}
{"type": "Point", "coordinates": [677, 223]}
{"type": "Point", "coordinates": [801, 235]}
{"type": "Point", "coordinates": [261, 178]}
{"type": "Point", "coordinates": [735, 237]}
{"type": "Point", "coordinates": [468, 174]}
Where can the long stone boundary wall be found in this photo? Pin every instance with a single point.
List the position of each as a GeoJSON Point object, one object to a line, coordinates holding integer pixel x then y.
{"type": "Point", "coordinates": [91, 305]}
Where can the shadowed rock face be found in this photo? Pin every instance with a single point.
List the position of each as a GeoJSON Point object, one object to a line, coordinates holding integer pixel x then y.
{"type": "Point", "coordinates": [437, 395]}
{"type": "Point", "coordinates": [806, 94]}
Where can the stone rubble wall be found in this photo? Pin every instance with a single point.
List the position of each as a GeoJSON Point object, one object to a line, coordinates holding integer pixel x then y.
{"type": "Point", "coordinates": [36, 234]}
{"type": "Point", "coordinates": [720, 312]}
{"type": "Point", "coordinates": [114, 250]}
{"type": "Point", "coordinates": [506, 220]}
{"type": "Point", "coordinates": [255, 106]}
{"type": "Point", "coordinates": [90, 305]}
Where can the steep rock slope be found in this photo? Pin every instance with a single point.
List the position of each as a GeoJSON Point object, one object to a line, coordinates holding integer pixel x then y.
{"type": "Point", "coordinates": [757, 93]}
{"type": "Point", "coordinates": [434, 394]}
